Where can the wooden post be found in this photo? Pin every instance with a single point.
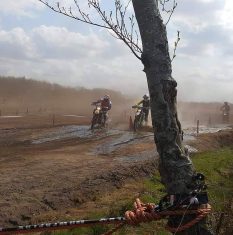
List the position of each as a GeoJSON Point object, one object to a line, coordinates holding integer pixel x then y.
{"type": "Point", "coordinates": [53, 119]}
{"type": "Point", "coordinates": [209, 121]}
{"type": "Point", "coordinates": [130, 123]}
{"type": "Point", "coordinates": [198, 122]}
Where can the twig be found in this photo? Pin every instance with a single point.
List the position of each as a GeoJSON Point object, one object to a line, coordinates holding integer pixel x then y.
{"type": "Point", "coordinates": [176, 44]}
{"type": "Point", "coordinates": [163, 3]}
{"type": "Point", "coordinates": [116, 25]}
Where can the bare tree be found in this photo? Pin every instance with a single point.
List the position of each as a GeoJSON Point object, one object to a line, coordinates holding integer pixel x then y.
{"type": "Point", "coordinates": [176, 169]}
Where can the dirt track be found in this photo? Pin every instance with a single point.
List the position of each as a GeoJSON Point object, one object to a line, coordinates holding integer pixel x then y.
{"type": "Point", "coordinates": [57, 168]}
{"type": "Point", "coordinates": [44, 169]}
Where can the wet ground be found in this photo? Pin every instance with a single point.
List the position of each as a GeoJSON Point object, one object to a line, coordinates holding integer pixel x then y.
{"type": "Point", "coordinates": [192, 131]}
{"type": "Point", "coordinates": [46, 169]}
{"type": "Point", "coordinates": [53, 168]}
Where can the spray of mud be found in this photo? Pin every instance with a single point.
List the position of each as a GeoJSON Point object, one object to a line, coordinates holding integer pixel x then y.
{"type": "Point", "coordinates": [22, 96]}
{"type": "Point", "coordinates": [208, 114]}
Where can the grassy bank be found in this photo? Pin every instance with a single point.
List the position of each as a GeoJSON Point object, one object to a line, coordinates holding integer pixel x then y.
{"type": "Point", "coordinates": [215, 165]}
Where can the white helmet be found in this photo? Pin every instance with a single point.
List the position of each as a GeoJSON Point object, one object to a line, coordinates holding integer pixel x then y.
{"type": "Point", "coordinates": [106, 97]}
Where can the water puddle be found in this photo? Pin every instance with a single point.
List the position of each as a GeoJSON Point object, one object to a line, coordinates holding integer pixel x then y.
{"type": "Point", "coordinates": [72, 115]}
{"type": "Point", "coordinates": [73, 131]}
{"type": "Point", "coordinates": [11, 116]}
{"type": "Point", "coordinates": [191, 149]}
{"type": "Point", "coordinates": [64, 133]}
{"type": "Point", "coordinates": [205, 130]}
{"type": "Point", "coordinates": [189, 137]}
{"type": "Point", "coordinates": [125, 138]}
{"type": "Point", "coordinates": [138, 157]}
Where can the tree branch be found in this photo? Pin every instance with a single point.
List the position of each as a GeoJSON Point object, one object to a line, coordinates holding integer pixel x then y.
{"type": "Point", "coordinates": [117, 25]}
{"type": "Point", "coordinates": [176, 44]}
{"type": "Point", "coordinates": [163, 3]}
{"type": "Point", "coordinates": [70, 14]}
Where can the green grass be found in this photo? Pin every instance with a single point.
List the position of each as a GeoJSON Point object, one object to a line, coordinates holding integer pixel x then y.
{"type": "Point", "coordinates": [215, 165]}
{"type": "Point", "coordinates": [218, 169]}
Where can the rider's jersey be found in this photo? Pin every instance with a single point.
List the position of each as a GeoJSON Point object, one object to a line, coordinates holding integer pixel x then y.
{"type": "Point", "coordinates": [105, 104]}
{"type": "Point", "coordinates": [226, 109]}
{"type": "Point", "coordinates": [145, 103]}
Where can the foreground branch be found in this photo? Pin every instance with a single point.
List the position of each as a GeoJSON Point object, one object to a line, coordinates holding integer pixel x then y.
{"type": "Point", "coordinates": [114, 22]}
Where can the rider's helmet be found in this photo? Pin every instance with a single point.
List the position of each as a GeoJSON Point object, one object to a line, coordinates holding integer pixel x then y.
{"type": "Point", "coordinates": [146, 97]}
{"type": "Point", "coordinates": [106, 97]}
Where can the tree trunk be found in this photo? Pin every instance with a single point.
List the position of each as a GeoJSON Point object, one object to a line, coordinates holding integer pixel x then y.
{"type": "Point", "coordinates": [175, 166]}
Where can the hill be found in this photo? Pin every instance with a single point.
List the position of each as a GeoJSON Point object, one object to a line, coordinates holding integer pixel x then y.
{"type": "Point", "coordinates": [19, 95]}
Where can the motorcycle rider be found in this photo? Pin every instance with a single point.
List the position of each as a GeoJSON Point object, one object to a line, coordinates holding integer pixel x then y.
{"type": "Point", "coordinates": [105, 104]}
{"type": "Point", "coordinates": [145, 106]}
{"type": "Point", "coordinates": [225, 112]}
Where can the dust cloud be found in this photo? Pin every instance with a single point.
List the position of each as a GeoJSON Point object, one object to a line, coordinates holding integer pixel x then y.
{"type": "Point", "coordinates": [19, 96]}
{"type": "Point", "coordinates": [25, 96]}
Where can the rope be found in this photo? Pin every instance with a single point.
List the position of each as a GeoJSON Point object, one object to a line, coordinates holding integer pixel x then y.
{"type": "Point", "coordinates": [182, 219]}
{"type": "Point", "coordinates": [146, 213]}
{"type": "Point", "coordinates": [202, 214]}
{"type": "Point", "coordinates": [142, 213]}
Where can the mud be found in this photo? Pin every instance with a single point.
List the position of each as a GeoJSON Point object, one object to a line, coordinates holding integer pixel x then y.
{"type": "Point", "coordinates": [56, 168]}
{"type": "Point", "coordinates": [47, 169]}
{"type": "Point", "coordinates": [192, 131]}
{"type": "Point", "coordinates": [213, 141]}
{"type": "Point", "coordinates": [64, 133]}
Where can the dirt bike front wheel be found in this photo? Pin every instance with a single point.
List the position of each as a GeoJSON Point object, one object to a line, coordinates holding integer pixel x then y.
{"type": "Point", "coordinates": [93, 122]}
{"type": "Point", "coordinates": [136, 123]}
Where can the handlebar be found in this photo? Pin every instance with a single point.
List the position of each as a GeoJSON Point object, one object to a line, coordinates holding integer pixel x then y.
{"type": "Point", "coordinates": [134, 106]}
{"type": "Point", "coordinates": [139, 107]}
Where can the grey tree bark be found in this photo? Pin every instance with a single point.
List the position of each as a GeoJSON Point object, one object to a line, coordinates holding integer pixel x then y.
{"type": "Point", "coordinates": [175, 166]}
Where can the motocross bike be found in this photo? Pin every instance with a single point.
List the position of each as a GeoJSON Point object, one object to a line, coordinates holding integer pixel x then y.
{"type": "Point", "coordinates": [225, 117]}
{"type": "Point", "coordinates": [99, 117]}
{"type": "Point", "coordinates": [139, 118]}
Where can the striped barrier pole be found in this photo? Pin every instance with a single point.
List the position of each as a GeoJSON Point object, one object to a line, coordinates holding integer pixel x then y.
{"type": "Point", "coordinates": [59, 225]}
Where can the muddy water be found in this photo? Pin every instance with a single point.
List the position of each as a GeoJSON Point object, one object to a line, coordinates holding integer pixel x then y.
{"type": "Point", "coordinates": [190, 134]}
{"type": "Point", "coordinates": [72, 115]}
{"type": "Point", "coordinates": [123, 138]}
{"type": "Point", "coordinates": [11, 116]}
{"type": "Point", "coordinates": [116, 139]}
{"type": "Point", "coordinates": [138, 157]}
{"type": "Point", "coordinates": [82, 131]}
{"type": "Point", "coordinates": [192, 131]}
{"type": "Point", "coordinates": [66, 170]}
{"type": "Point", "coordinates": [64, 133]}
{"type": "Point", "coordinates": [74, 131]}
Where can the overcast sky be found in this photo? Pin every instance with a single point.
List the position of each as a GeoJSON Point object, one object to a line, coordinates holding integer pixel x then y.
{"type": "Point", "coordinates": [38, 43]}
